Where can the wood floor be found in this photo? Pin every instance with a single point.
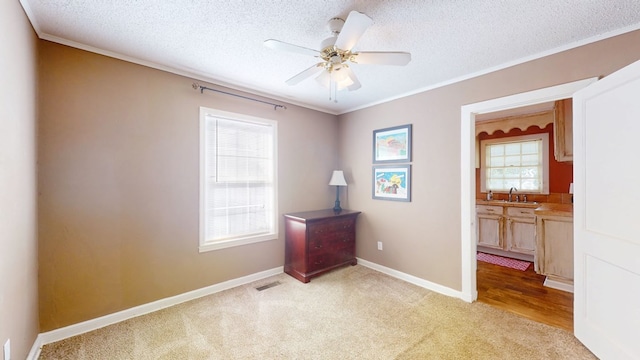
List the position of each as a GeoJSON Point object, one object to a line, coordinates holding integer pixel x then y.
{"type": "Point", "coordinates": [522, 292]}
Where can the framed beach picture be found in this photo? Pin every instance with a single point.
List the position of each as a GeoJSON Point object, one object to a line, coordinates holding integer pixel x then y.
{"type": "Point", "coordinates": [392, 182]}
{"type": "Point", "coordinates": [392, 144]}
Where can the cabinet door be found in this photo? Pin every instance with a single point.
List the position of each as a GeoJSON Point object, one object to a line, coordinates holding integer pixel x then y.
{"type": "Point", "coordinates": [563, 130]}
{"type": "Point", "coordinates": [521, 235]}
{"type": "Point", "coordinates": [557, 243]}
{"type": "Point", "coordinates": [490, 230]}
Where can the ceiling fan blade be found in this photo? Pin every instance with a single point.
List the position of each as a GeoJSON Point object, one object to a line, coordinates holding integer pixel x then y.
{"type": "Point", "coordinates": [306, 73]}
{"type": "Point", "coordinates": [352, 30]}
{"type": "Point", "coordinates": [283, 46]}
{"type": "Point", "coordinates": [356, 83]}
{"type": "Point", "coordinates": [381, 58]}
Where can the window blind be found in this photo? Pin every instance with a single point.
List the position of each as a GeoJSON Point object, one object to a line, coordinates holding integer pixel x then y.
{"type": "Point", "coordinates": [239, 179]}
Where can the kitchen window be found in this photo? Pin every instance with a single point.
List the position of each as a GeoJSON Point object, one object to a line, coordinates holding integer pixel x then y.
{"type": "Point", "coordinates": [237, 179]}
{"type": "Point", "coordinates": [521, 162]}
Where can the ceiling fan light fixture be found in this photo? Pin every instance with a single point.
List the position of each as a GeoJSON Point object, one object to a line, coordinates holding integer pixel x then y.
{"type": "Point", "coordinates": [344, 83]}
{"type": "Point", "coordinates": [338, 76]}
{"type": "Point", "coordinates": [324, 79]}
{"type": "Point", "coordinates": [339, 72]}
{"type": "Point", "coordinates": [337, 51]}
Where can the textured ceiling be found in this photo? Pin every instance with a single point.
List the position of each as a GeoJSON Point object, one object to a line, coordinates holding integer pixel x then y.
{"type": "Point", "coordinates": [220, 41]}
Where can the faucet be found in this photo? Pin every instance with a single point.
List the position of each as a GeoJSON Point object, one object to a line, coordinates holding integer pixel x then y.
{"type": "Point", "coordinates": [511, 191]}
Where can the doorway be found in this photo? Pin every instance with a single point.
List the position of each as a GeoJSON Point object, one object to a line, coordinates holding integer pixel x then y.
{"type": "Point", "coordinates": [468, 156]}
{"type": "Point", "coordinates": [522, 292]}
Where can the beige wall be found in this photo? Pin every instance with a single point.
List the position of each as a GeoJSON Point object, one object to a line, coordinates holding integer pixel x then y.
{"type": "Point", "coordinates": [18, 243]}
{"type": "Point", "coordinates": [422, 238]}
{"type": "Point", "coordinates": [118, 184]}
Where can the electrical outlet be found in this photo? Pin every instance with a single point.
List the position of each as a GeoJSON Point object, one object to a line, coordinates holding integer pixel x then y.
{"type": "Point", "coordinates": [380, 245]}
{"type": "Point", "coordinates": [7, 350]}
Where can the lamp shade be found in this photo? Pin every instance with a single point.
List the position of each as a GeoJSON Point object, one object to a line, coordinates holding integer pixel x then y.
{"type": "Point", "coordinates": [571, 188]}
{"type": "Point", "coordinates": [337, 178]}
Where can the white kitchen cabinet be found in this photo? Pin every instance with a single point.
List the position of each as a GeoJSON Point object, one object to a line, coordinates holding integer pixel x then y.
{"type": "Point", "coordinates": [507, 229]}
{"type": "Point", "coordinates": [563, 130]}
{"type": "Point", "coordinates": [490, 230]}
{"type": "Point", "coordinates": [521, 230]}
{"type": "Point", "coordinates": [555, 247]}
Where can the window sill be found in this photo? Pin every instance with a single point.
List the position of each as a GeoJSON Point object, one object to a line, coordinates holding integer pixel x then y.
{"type": "Point", "coordinates": [212, 246]}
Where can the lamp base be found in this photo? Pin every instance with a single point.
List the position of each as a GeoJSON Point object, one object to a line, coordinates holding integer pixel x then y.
{"type": "Point", "coordinates": [336, 207]}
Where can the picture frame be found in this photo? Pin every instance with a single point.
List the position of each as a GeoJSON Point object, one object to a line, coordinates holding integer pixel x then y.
{"type": "Point", "coordinates": [392, 182]}
{"type": "Point", "coordinates": [392, 145]}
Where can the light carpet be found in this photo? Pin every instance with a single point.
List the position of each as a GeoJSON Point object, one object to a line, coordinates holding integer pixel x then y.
{"type": "Point", "coordinates": [350, 313]}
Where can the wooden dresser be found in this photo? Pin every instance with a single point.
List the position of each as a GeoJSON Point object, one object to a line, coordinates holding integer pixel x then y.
{"type": "Point", "coordinates": [319, 241]}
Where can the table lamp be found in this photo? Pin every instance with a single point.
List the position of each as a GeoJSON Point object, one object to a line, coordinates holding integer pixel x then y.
{"type": "Point", "coordinates": [337, 180]}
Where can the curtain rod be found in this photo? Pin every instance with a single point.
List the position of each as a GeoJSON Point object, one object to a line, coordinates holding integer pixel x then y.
{"type": "Point", "coordinates": [197, 86]}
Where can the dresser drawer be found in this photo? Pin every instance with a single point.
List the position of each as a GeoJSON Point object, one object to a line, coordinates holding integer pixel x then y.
{"type": "Point", "coordinates": [335, 236]}
{"type": "Point", "coordinates": [329, 258]}
{"type": "Point", "coordinates": [319, 261]}
{"type": "Point", "coordinates": [331, 242]}
{"type": "Point", "coordinates": [330, 227]}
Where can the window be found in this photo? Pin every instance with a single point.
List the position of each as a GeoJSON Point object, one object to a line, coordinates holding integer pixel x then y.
{"type": "Point", "coordinates": [237, 179]}
{"type": "Point", "coordinates": [521, 162]}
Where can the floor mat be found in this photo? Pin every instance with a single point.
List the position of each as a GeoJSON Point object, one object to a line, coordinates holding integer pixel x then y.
{"type": "Point", "coordinates": [504, 261]}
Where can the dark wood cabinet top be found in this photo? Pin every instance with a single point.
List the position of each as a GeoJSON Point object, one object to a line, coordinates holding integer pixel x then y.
{"type": "Point", "coordinates": [320, 214]}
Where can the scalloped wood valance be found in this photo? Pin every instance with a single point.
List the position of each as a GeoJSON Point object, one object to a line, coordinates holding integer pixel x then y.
{"type": "Point", "coordinates": [522, 122]}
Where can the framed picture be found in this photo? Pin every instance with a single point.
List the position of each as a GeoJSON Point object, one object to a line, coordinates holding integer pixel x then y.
{"type": "Point", "coordinates": [392, 182]}
{"type": "Point", "coordinates": [392, 144]}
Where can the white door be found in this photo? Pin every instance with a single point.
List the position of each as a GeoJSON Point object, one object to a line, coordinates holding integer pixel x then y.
{"type": "Point", "coordinates": [607, 215]}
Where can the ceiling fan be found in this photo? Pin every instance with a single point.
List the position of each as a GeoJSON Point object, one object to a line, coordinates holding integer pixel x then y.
{"type": "Point", "coordinates": [337, 52]}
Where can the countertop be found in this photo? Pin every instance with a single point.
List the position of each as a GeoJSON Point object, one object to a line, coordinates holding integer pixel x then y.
{"type": "Point", "coordinates": [553, 209]}
{"type": "Point", "coordinates": [508, 204]}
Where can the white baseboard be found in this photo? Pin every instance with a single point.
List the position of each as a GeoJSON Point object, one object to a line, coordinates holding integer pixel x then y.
{"type": "Point", "coordinates": [558, 284]}
{"type": "Point", "coordinates": [412, 279]}
{"type": "Point", "coordinates": [94, 324]}
{"type": "Point", "coordinates": [34, 354]}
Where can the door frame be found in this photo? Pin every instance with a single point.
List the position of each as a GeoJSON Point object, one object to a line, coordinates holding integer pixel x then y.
{"type": "Point", "coordinates": [468, 173]}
